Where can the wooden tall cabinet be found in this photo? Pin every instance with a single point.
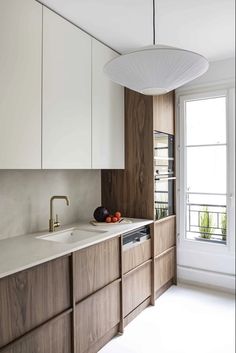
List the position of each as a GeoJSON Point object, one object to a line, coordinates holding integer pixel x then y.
{"type": "Point", "coordinates": [132, 190]}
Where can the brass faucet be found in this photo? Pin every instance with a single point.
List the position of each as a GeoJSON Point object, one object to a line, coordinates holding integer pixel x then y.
{"type": "Point", "coordinates": [55, 223]}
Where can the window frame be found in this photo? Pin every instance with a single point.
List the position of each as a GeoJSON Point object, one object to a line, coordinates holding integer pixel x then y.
{"type": "Point", "coordinates": [181, 150]}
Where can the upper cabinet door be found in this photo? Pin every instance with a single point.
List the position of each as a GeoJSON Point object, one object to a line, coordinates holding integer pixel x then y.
{"type": "Point", "coordinates": [66, 94]}
{"type": "Point", "coordinates": [20, 84]}
{"type": "Point", "coordinates": [107, 113]}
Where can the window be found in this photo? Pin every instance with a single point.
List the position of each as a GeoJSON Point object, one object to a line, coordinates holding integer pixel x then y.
{"type": "Point", "coordinates": [204, 165]}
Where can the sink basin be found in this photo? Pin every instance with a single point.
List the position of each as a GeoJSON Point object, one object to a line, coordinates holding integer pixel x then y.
{"type": "Point", "coordinates": [72, 235]}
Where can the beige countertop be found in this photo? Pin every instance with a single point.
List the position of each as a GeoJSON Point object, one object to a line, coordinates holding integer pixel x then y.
{"type": "Point", "coordinates": [22, 252]}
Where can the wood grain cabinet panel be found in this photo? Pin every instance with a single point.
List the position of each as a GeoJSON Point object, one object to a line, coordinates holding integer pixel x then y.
{"type": "Point", "coordinates": [31, 297]}
{"type": "Point", "coordinates": [136, 287]}
{"type": "Point", "coordinates": [165, 234]}
{"type": "Point", "coordinates": [95, 267]}
{"type": "Point", "coordinates": [163, 113]}
{"type": "Point", "coordinates": [164, 268]}
{"type": "Point", "coordinates": [136, 255]}
{"type": "Point", "coordinates": [96, 316]}
{"type": "Point", "coordinates": [54, 337]}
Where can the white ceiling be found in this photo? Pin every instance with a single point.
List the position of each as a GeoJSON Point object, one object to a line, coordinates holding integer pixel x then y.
{"type": "Point", "coordinates": [204, 26]}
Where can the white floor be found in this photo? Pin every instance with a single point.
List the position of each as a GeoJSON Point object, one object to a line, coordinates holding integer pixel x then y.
{"type": "Point", "coordinates": [185, 320]}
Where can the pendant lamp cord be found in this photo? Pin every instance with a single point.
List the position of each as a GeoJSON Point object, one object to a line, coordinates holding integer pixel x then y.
{"type": "Point", "coordinates": [154, 21]}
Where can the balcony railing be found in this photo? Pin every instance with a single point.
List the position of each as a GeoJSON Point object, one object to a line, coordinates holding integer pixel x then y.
{"type": "Point", "coordinates": [207, 222]}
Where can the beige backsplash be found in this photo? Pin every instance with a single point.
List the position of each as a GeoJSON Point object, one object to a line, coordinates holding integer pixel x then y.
{"type": "Point", "coordinates": [24, 198]}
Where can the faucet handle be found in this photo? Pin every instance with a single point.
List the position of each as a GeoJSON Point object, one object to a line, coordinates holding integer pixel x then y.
{"type": "Point", "coordinates": [56, 223]}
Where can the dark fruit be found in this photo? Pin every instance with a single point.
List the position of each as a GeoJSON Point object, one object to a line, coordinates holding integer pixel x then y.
{"type": "Point", "coordinates": [100, 214]}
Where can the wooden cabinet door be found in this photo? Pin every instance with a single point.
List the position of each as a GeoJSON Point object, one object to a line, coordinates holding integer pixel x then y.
{"type": "Point", "coordinates": [66, 94]}
{"type": "Point", "coordinates": [31, 297]}
{"type": "Point", "coordinates": [136, 287]}
{"type": "Point", "coordinates": [135, 255]}
{"type": "Point", "coordinates": [165, 267]}
{"type": "Point", "coordinates": [165, 234]}
{"type": "Point", "coordinates": [163, 113]}
{"type": "Point", "coordinates": [107, 113]}
{"type": "Point", "coordinates": [96, 316]}
{"type": "Point", "coordinates": [96, 266]}
{"type": "Point", "coordinates": [55, 337]}
{"type": "Point", "coordinates": [20, 84]}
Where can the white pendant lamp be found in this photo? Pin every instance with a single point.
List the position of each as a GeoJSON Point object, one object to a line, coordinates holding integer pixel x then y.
{"type": "Point", "coordinates": [156, 69]}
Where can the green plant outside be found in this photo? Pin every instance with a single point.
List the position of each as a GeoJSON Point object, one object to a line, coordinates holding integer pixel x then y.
{"type": "Point", "coordinates": [223, 225]}
{"type": "Point", "coordinates": [206, 223]}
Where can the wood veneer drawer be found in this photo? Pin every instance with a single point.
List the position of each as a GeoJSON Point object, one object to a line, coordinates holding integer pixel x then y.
{"type": "Point", "coordinates": [55, 337]}
{"type": "Point", "coordinates": [165, 234]}
{"type": "Point", "coordinates": [136, 254]}
{"type": "Point", "coordinates": [165, 267]}
{"type": "Point", "coordinates": [96, 266]}
{"type": "Point", "coordinates": [137, 287]}
{"type": "Point", "coordinates": [31, 297]}
{"type": "Point", "coordinates": [96, 316]}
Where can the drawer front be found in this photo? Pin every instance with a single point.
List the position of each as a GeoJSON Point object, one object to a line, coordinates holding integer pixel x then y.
{"type": "Point", "coordinates": [95, 267]}
{"type": "Point", "coordinates": [54, 337]}
{"type": "Point", "coordinates": [96, 316]}
{"type": "Point", "coordinates": [137, 287]}
{"type": "Point", "coordinates": [136, 255]}
{"type": "Point", "coordinates": [31, 297]}
{"type": "Point", "coordinates": [165, 234]}
{"type": "Point", "coordinates": [165, 267]}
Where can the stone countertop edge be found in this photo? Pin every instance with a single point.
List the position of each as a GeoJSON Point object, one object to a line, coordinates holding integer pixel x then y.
{"type": "Point", "coordinates": [25, 251]}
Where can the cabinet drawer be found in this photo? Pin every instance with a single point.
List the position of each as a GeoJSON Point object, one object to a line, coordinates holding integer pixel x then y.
{"type": "Point", "coordinates": [136, 255]}
{"type": "Point", "coordinates": [137, 287]}
{"type": "Point", "coordinates": [54, 337]}
{"type": "Point", "coordinates": [165, 234]}
{"type": "Point", "coordinates": [164, 268]}
{"type": "Point", "coordinates": [95, 267]}
{"type": "Point", "coordinates": [31, 297]}
{"type": "Point", "coordinates": [96, 316]}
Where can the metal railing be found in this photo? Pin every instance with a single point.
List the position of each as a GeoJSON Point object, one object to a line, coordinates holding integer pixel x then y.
{"type": "Point", "coordinates": [207, 222]}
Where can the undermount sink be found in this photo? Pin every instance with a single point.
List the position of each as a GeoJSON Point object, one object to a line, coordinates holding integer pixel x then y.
{"type": "Point", "coordinates": [71, 236]}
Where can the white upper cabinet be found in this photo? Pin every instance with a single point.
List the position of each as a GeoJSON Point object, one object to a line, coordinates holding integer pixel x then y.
{"type": "Point", "coordinates": [66, 94]}
{"type": "Point", "coordinates": [107, 113]}
{"type": "Point", "coordinates": [20, 84]}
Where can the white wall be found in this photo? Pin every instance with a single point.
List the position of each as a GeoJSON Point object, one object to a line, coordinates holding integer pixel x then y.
{"type": "Point", "coordinates": [220, 73]}
{"type": "Point", "coordinates": [206, 264]}
{"type": "Point", "coordinates": [24, 198]}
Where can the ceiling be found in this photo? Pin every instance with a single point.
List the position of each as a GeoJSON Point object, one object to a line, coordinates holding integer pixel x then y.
{"type": "Point", "coordinates": [204, 26]}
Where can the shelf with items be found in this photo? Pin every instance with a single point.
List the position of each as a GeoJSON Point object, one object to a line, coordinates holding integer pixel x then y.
{"type": "Point", "coordinates": [164, 175]}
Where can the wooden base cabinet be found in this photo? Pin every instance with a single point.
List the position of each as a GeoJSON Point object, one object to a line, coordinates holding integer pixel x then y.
{"type": "Point", "coordinates": [96, 316]}
{"type": "Point", "coordinates": [136, 255]}
{"type": "Point", "coordinates": [30, 298]}
{"type": "Point", "coordinates": [165, 265]}
{"type": "Point", "coordinates": [95, 267]}
{"type": "Point", "coordinates": [165, 234]}
{"type": "Point", "coordinates": [55, 337]}
{"type": "Point", "coordinates": [137, 287]}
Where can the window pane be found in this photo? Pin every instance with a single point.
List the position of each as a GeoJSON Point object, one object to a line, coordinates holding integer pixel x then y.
{"type": "Point", "coordinates": [206, 169]}
{"type": "Point", "coordinates": [206, 121]}
{"type": "Point", "coordinates": [206, 218]}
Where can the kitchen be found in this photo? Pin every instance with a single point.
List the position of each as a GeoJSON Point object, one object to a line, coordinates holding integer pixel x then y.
{"type": "Point", "coordinates": [90, 184]}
